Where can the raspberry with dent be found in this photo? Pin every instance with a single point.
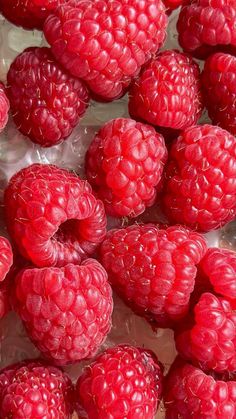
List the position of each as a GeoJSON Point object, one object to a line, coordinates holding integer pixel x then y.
{"type": "Point", "coordinates": [124, 164]}
{"type": "Point", "coordinates": [4, 107]}
{"type": "Point", "coordinates": [168, 92]}
{"type": "Point", "coordinates": [46, 101]}
{"type": "Point", "coordinates": [104, 42]}
{"type": "Point", "coordinates": [200, 188]}
{"type": "Point", "coordinates": [53, 216]}
{"type": "Point", "coordinates": [33, 389]}
{"type": "Point", "coordinates": [66, 311]}
{"type": "Point", "coordinates": [153, 270]}
{"type": "Point", "coordinates": [122, 382]}
{"type": "Point", "coordinates": [6, 257]}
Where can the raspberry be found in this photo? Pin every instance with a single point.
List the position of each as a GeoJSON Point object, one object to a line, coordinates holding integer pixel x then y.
{"type": "Point", "coordinates": [6, 257]}
{"type": "Point", "coordinates": [167, 92]}
{"type": "Point", "coordinates": [33, 389]}
{"type": "Point", "coordinates": [207, 26]}
{"type": "Point", "coordinates": [104, 42]}
{"type": "Point", "coordinates": [218, 80]}
{"type": "Point", "coordinates": [200, 189]}
{"type": "Point", "coordinates": [153, 270]}
{"type": "Point", "coordinates": [174, 4]}
{"type": "Point", "coordinates": [192, 394]}
{"type": "Point", "coordinates": [53, 215]}
{"type": "Point", "coordinates": [4, 107]}
{"type": "Point", "coordinates": [66, 311]}
{"type": "Point", "coordinates": [123, 382]}
{"type": "Point", "coordinates": [124, 165]}
{"type": "Point", "coordinates": [46, 102]}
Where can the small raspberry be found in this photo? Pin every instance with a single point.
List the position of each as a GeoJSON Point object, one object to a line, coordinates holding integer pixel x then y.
{"type": "Point", "coordinates": [124, 165]}
{"type": "Point", "coordinates": [153, 270]}
{"type": "Point", "coordinates": [123, 382]}
{"type": "Point", "coordinates": [207, 26]}
{"type": "Point", "coordinates": [46, 101]}
{"type": "Point", "coordinates": [4, 107]}
{"type": "Point", "coordinates": [167, 92]}
{"type": "Point", "coordinates": [6, 257]}
{"type": "Point", "coordinates": [200, 189]}
{"type": "Point", "coordinates": [66, 311]}
{"type": "Point", "coordinates": [104, 42]}
{"type": "Point", "coordinates": [33, 389]}
{"type": "Point", "coordinates": [53, 215]}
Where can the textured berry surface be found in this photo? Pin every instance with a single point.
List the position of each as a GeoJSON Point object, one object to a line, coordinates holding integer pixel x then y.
{"type": "Point", "coordinates": [124, 165]}
{"type": "Point", "coordinates": [33, 389]}
{"type": "Point", "coordinates": [123, 382]}
{"type": "Point", "coordinates": [106, 42]}
{"type": "Point", "coordinates": [200, 189]}
{"type": "Point", "coordinates": [53, 215]}
{"type": "Point", "coordinates": [153, 270]}
{"type": "Point", "coordinates": [167, 92]}
{"type": "Point", "coordinates": [192, 394]}
{"type": "Point", "coordinates": [6, 257]}
{"type": "Point", "coordinates": [46, 101]}
{"type": "Point", "coordinates": [207, 26]}
{"type": "Point", "coordinates": [66, 311]}
{"type": "Point", "coordinates": [4, 107]}
{"type": "Point", "coordinates": [219, 86]}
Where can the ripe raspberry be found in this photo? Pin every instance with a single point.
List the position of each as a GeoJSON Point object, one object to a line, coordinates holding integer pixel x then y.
{"type": "Point", "coordinates": [53, 215]}
{"type": "Point", "coordinates": [153, 270]}
{"type": "Point", "coordinates": [200, 188]}
{"type": "Point", "coordinates": [33, 389]}
{"type": "Point", "coordinates": [66, 311]}
{"type": "Point", "coordinates": [192, 394]}
{"type": "Point", "coordinates": [123, 382]}
{"type": "Point", "coordinates": [4, 107]}
{"type": "Point", "coordinates": [207, 26]}
{"type": "Point", "coordinates": [219, 87]}
{"type": "Point", "coordinates": [124, 165]}
{"type": "Point", "coordinates": [46, 101]}
{"type": "Point", "coordinates": [104, 42]}
{"type": "Point", "coordinates": [6, 257]}
{"type": "Point", "coordinates": [168, 92]}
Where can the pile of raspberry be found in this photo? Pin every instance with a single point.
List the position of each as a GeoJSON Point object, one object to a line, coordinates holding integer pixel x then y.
{"type": "Point", "coordinates": [164, 175]}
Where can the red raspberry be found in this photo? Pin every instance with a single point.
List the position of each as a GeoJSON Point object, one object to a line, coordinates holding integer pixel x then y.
{"type": "Point", "coordinates": [66, 311]}
{"type": "Point", "coordinates": [53, 215]}
{"type": "Point", "coordinates": [207, 26]}
{"type": "Point", "coordinates": [192, 394]}
{"type": "Point", "coordinates": [219, 87]}
{"type": "Point", "coordinates": [200, 188]}
{"type": "Point", "coordinates": [46, 101]}
{"type": "Point", "coordinates": [33, 389]}
{"type": "Point", "coordinates": [174, 4]}
{"type": "Point", "coordinates": [4, 107]}
{"type": "Point", "coordinates": [124, 165]}
{"type": "Point", "coordinates": [123, 382]}
{"type": "Point", "coordinates": [6, 257]}
{"type": "Point", "coordinates": [167, 92]}
{"type": "Point", "coordinates": [153, 270]}
{"type": "Point", "coordinates": [104, 42]}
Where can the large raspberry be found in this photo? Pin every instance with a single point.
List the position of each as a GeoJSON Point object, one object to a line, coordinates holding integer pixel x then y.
{"type": "Point", "coordinates": [106, 42]}
{"type": "Point", "coordinates": [46, 101]}
{"type": "Point", "coordinates": [153, 270]}
{"type": "Point", "coordinates": [192, 394]}
{"type": "Point", "coordinates": [167, 92]}
{"type": "Point", "coordinates": [219, 87]}
{"type": "Point", "coordinates": [124, 164]}
{"type": "Point", "coordinates": [207, 26]}
{"type": "Point", "coordinates": [4, 107]}
{"type": "Point", "coordinates": [6, 257]}
{"type": "Point", "coordinates": [66, 311]}
{"type": "Point", "coordinates": [33, 389]}
{"type": "Point", "coordinates": [200, 188]}
{"type": "Point", "coordinates": [123, 382]}
{"type": "Point", "coordinates": [53, 215]}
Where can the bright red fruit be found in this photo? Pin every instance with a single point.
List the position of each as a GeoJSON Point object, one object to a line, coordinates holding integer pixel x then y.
{"type": "Point", "coordinates": [174, 4]}
{"type": "Point", "coordinates": [6, 257]}
{"type": "Point", "coordinates": [4, 107]}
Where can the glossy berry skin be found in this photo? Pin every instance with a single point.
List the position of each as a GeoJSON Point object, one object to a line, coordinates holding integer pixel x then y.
{"type": "Point", "coordinates": [122, 382]}
{"type": "Point", "coordinates": [200, 189]}
{"type": "Point", "coordinates": [53, 216]}
{"type": "Point", "coordinates": [153, 270]}
{"type": "Point", "coordinates": [46, 102]}
{"type": "Point", "coordinates": [6, 257]}
{"type": "Point", "coordinates": [104, 42]}
{"type": "Point", "coordinates": [207, 26]}
{"type": "Point", "coordinates": [66, 311]}
{"type": "Point", "coordinates": [192, 394]}
{"type": "Point", "coordinates": [174, 4]}
{"type": "Point", "coordinates": [219, 87]}
{"type": "Point", "coordinates": [33, 389]}
{"type": "Point", "coordinates": [124, 164]}
{"type": "Point", "coordinates": [4, 107]}
{"type": "Point", "coordinates": [167, 93]}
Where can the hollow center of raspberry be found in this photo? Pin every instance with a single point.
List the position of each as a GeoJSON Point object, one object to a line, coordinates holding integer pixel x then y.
{"type": "Point", "coordinates": [66, 231]}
